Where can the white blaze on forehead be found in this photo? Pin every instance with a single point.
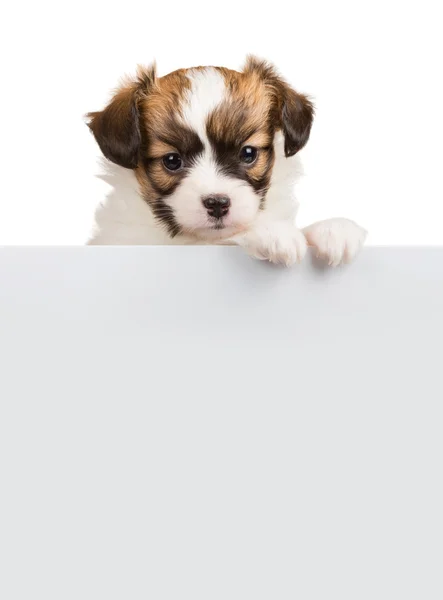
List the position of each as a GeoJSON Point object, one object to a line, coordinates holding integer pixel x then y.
{"type": "Point", "coordinates": [207, 91]}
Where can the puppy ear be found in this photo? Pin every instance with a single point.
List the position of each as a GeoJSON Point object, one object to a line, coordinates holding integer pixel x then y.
{"type": "Point", "coordinates": [294, 112]}
{"type": "Point", "coordinates": [117, 127]}
{"type": "Point", "coordinates": [296, 117]}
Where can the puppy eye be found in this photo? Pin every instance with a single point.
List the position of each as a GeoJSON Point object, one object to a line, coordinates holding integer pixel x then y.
{"type": "Point", "coordinates": [248, 154]}
{"type": "Point", "coordinates": [172, 161]}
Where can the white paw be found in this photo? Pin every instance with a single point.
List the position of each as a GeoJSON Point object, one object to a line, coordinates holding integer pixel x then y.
{"type": "Point", "coordinates": [279, 242]}
{"type": "Point", "coordinates": [336, 240]}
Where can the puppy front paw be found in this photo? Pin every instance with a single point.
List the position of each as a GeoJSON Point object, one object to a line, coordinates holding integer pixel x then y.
{"type": "Point", "coordinates": [336, 240]}
{"type": "Point", "coordinates": [279, 242]}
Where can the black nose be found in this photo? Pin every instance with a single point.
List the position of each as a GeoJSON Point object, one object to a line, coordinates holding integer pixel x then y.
{"type": "Point", "coordinates": [217, 206]}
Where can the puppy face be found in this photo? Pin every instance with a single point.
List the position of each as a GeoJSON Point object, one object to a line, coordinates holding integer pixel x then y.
{"type": "Point", "coordinates": [201, 142]}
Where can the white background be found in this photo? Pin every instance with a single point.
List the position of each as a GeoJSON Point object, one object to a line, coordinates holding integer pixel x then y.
{"type": "Point", "coordinates": [374, 70]}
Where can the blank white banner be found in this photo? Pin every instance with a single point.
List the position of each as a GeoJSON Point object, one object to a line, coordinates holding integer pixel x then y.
{"type": "Point", "coordinates": [189, 423]}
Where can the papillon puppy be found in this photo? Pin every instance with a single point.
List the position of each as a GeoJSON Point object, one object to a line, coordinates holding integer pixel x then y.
{"type": "Point", "coordinates": [210, 156]}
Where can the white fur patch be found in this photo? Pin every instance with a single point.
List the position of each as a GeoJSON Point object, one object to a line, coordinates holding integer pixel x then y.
{"type": "Point", "coordinates": [336, 240]}
{"type": "Point", "coordinates": [279, 242]}
{"type": "Point", "coordinates": [207, 91]}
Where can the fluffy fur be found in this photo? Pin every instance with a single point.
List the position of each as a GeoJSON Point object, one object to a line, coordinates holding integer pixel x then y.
{"type": "Point", "coordinates": [214, 154]}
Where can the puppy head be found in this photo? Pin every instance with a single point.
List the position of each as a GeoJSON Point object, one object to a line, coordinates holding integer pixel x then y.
{"type": "Point", "coordinates": [201, 142]}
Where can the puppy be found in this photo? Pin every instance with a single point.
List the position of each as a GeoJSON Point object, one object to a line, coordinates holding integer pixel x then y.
{"type": "Point", "coordinates": [213, 152]}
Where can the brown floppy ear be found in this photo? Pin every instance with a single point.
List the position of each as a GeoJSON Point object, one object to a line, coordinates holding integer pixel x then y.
{"type": "Point", "coordinates": [117, 127]}
{"type": "Point", "coordinates": [294, 112]}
